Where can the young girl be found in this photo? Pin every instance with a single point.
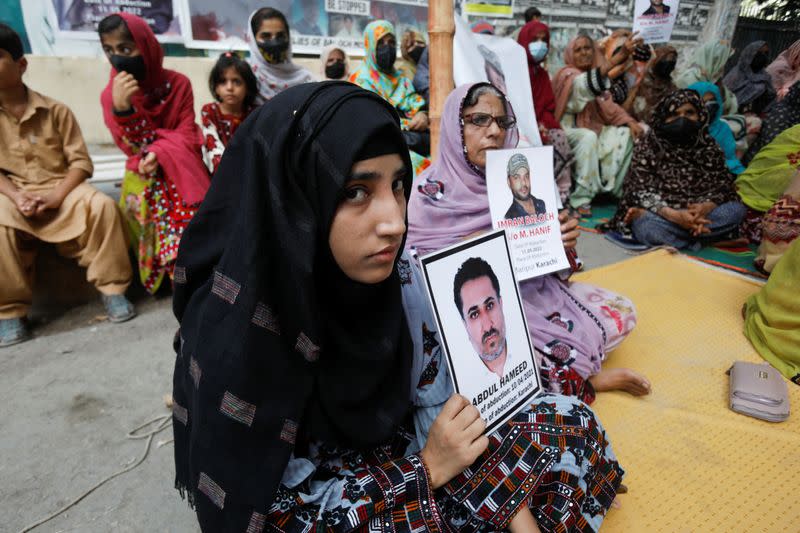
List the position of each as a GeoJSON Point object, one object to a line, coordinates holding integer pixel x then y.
{"type": "Point", "coordinates": [235, 89]}
{"type": "Point", "coordinates": [310, 390]}
{"type": "Point", "coordinates": [150, 112]}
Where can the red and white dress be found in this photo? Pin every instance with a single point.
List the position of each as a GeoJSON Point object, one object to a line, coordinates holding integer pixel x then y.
{"type": "Point", "coordinates": [218, 129]}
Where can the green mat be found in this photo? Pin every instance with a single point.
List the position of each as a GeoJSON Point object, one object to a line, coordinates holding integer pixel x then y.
{"type": "Point", "coordinates": [738, 259]}
{"type": "Point", "coordinates": [600, 213]}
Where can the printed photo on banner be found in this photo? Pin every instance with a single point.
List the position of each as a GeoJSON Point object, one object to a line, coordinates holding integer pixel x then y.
{"type": "Point", "coordinates": [484, 332]}
{"type": "Point", "coordinates": [313, 24]}
{"type": "Point", "coordinates": [502, 62]}
{"type": "Point", "coordinates": [79, 18]}
{"type": "Point", "coordinates": [654, 19]}
{"type": "Point", "coordinates": [523, 202]}
{"type": "Point", "coordinates": [489, 8]}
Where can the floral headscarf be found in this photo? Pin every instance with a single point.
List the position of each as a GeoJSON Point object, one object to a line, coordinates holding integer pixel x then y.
{"type": "Point", "coordinates": [393, 87]}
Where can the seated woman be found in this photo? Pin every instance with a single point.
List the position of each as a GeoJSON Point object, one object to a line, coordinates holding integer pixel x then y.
{"type": "Point", "coordinates": [334, 63]}
{"type": "Point", "coordinates": [785, 70]}
{"type": "Point", "coordinates": [412, 46]}
{"type": "Point", "coordinates": [573, 325]}
{"type": "Point", "coordinates": [310, 388]}
{"type": "Point", "coordinates": [707, 63]}
{"type": "Point", "coordinates": [679, 191]}
{"type": "Point", "coordinates": [377, 74]}
{"type": "Point", "coordinates": [772, 316]}
{"type": "Point", "coordinates": [624, 88]}
{"type": "Point", "coordinates": [656, 83]}
{"type": "Point", "coordinates": [150, 113]}
{"type": "Point", "coordinates": [535, 39]}
{"type": "Point", "coordinates": [767, 177]}
{"type": "Point", "coordinates": [780, 226]}
{"type": "Point", "coordinates": [749, 81]}
{"type": "Point", "coordinates": [235, 90]}
{"type": "Point", "coordinates": [271, 54]}
{"type": "Point", "coordinates": [780, 117]}
{"type": "Point", "coordinates": [716, 127]}
{"type": "Point", "coordinates": [599, 131]}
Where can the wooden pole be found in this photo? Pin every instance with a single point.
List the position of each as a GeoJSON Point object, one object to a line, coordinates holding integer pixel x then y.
{"type": "Point", "coordinates": [441, 28]}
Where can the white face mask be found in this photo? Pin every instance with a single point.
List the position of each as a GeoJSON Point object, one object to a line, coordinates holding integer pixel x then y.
{"type": "Point", "coordinates": [538, 50]}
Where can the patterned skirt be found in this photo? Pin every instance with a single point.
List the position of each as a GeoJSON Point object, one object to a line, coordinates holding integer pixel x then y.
{"type": "Point", "coordinates": [780, 226]}
{"type": "Point", "coordinates": [156, 216]}
{"type": "Point", "coordinates": [553, 457]}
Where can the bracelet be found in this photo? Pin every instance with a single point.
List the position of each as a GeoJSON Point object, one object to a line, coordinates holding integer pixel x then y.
{"type": "Point", "coordinates": [599, 81]}
{"type": "Point", "coordinates": [590, 84]}
{"type": "Point", "coordinates": [427, 470]}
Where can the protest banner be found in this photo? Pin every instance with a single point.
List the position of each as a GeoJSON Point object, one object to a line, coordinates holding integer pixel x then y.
{"type": "Point", "coordinates": [78, 19]}
{"type": "Point", "coordinates": [654, 19]}
{"type": "Point", "coordinates": [482, 324]}
{"type": "Point", "coordinates": [501, 61]}
{"type": "Point", "coordinates": [313, 24]}
{"type": "Point", "coordinates": [523, 201]}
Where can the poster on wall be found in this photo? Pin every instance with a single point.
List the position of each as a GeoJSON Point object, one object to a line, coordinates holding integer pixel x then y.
{"type": "Point", "coordinates": [522, 200]}
{"type": "Point", "coordinates": [484, 333]}
{"type": "Point", "coordinates": [654, 19]}
{"type": "Point", "coordinates": [78, 19]}
{"type": "Point", "coordinates": [313, 24]}
{"type": "Point", "coordinates": [502, 62]}
{"type": "Point", "coordinates": [489, 8]}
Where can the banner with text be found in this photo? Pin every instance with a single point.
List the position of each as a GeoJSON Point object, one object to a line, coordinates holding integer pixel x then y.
{"type": "Point", "coordinates": [313, 24]}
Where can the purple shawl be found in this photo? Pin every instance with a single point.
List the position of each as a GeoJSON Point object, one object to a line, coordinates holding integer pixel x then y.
{"type": "Point", "coordinates": [449, 203]}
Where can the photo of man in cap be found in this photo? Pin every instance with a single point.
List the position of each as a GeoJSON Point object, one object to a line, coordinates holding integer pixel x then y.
{"type": "Point", "coordinates": [519, 181]}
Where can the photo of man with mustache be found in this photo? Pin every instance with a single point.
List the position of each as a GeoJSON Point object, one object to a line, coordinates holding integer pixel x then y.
{"type": "Point", "coordinates": [519, 181]}
{"type": "Point", "coordinates": [476, 292]}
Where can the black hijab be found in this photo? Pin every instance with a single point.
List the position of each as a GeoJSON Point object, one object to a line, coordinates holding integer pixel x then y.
{"type": "Point", "coordinates": [663, 174]}
{"type": "Point", "coordinates": [276, 345]}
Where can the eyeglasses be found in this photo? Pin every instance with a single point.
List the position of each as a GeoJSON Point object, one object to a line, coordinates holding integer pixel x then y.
{"type": "Point", "coordinates": [484, 120]}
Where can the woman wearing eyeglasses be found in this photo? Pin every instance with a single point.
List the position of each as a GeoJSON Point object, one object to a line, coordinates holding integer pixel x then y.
{"type": "Point", "coordinates": [573, 325]}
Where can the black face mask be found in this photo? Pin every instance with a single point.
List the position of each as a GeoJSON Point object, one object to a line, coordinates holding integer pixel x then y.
{"type": "Point", "coordinates": [760, 60]}
{"type": "Point", "coordinates": [416, 53]}
{"type": "Point", "coordinates": [132, 65]}
{"type": "Point", "coordinates": [385, 56]}
{"type": "Point", "coordinates": [335, 70]}
{"type": "Point", "coordinates": [682, 131]}
{"type": "Point", "coordinates": [663, 69]}
{"type": "Point", "coordinates": [274, 50]}
{"type": "Point", "coordinates": [713, 109]}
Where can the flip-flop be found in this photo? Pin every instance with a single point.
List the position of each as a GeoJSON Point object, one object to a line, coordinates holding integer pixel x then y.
{"type": "Point", "coordinates": [628, 243]}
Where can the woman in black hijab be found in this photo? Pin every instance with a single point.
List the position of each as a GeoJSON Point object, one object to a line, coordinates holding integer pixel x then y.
{"type": "Point", "coordinates": [309, 386]}
{"type": "Point", "coordinates": [678, 191]}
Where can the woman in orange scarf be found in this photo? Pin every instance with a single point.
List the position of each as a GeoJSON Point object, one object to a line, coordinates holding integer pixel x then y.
{"type": "Point", "coordinates": [599, 131]}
